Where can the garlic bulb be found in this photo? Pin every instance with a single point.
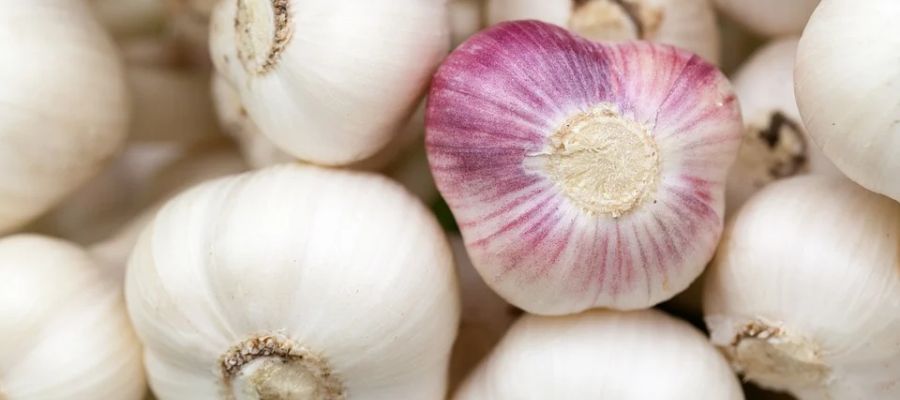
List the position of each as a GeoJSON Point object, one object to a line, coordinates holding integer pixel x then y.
{"type": "Point", "coordinates": [198, 165]}
{"type": "Point", "coordinates": [804, 294]}
{"type": "Point", "coordinates": [775, 144]}
{"type": "Point", "coordinates": [581, 174]}
{"type": "Point", "coordinates": [770, 17]}
{"type": "Point", "coordinates": [65, 103]}
{"type": "Point", "coordinates": [485, 317]}
{"type": "Point", "coordinates": [689, 24]}
{"type": "Point", "coordinates": [846, 81]}
{"type": "Point", "coordinates": [330, 82]}
{"type": "Point", "coordinates": [171, 105]}
{"type": "Point", "coordinates": [294, 282]}
{"type": "Point", "coordinates": [603, 355]}
{"type": "Point", "coordinates": [64, 330]}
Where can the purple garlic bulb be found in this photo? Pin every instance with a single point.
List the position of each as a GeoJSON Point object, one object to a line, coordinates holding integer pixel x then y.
{"type": "Point", "coordinates": [582, 174]}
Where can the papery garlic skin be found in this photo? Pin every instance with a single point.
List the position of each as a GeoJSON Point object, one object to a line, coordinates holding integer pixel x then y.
{"type": "Point", "coordinates": [770, 17]}
{"type": "Point", "coordinates": [603, 355]}
{"type": "Point", "coordinates": [64, 330]}
{"type": "Point", "coordinates": [344, 268]}
{"type": "Point", "coordinates": [775, 144]}
{"type": "Point", "coordinates": [804, 293]}
{"type": "Point", "coordinates": [846, 81]}
{"type": "Point", "coordinates": [330, 82]}
{"type": "Point", "coordinates": [581, 175]}
{"type": "Point", "coordinates": [689, 24]}
{"type": "Point", "coordinates": [65, 104]}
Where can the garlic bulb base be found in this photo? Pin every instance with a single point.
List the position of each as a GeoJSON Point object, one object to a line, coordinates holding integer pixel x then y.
{"type": "Point", "coordinates": [263, 31]}
{"type": "Point", "coordinates": [602, 152]}
{"type": "Point", "coordinates": [776, 359]}
{"type": "Point", "coordinates": [274, 367]}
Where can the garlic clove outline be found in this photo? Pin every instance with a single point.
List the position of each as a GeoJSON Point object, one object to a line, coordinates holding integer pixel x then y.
{"type": "Point", "coordinates": [689, 24]}
{"type": "Point", "coordinates": [775, 145]}
{"type": "Point", "coordinates": [65, 333]}
{"type": "Point", "coordinates": [633, 355]}
{"type": "Point", "coordinates": [59, 126]}
{"type": "Point", "coordinates": [329, 82]}
{"type": "Point", "coordinates": [804, 292]}
{"type": "Point", "coordinates": [846, 80]}
{"type": "Point", "coordinates": [530, 131]}
{"type": "Point", "coordinates": [343, 268]}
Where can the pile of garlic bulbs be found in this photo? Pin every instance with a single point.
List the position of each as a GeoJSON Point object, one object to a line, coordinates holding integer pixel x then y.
{"type": "Point", "coordinates": [449, 199]}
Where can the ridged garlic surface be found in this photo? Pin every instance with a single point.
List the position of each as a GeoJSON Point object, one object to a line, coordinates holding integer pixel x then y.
{"type": "Point", "coordinates": [582, 175]}
{"type": "Point", "coordinates": [329, 81]}
{"type": "Point", "coordinates": [65, 104]}
{"type": "Point", "coordinates": [689, 24]}
{"type": "Point", "coordinates": [775, 144]}
{"type": "Point", "coordinates": [64, 332]}
{"type": "Point", "coordinates": [847, 82]}
{"type": "Point", "coordinates": [771, 17]}
{"type": "Point", "coordinates": [804, 293]}
{"type": "Point", "coordinates": [295, 282]}
{"type": "Point", "coordinates": [635, 355]}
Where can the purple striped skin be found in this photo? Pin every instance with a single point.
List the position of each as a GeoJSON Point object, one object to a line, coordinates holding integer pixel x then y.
{"type": "Point", "coordinates": [500, 96]}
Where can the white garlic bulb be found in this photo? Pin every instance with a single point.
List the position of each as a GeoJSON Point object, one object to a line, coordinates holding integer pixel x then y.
{"type": "Point", "coordinates": [330, 82]}
{"type": "Point", "coordinates": [846, 80]}
{"type": "Point", "coordinates": [689, 24]}
{"type": "Point", "coordinates": [775, 143]}
{"type": "Point", "coordinates": [65, 103]}
{"type": "Point", "coordinates": [201, 164]}
{"type": "Point", "coordinates": [770, 17]}
{"type": "Point", "coordinates": [804, 294]}
{"type": "Point", "coordinates": [295, 282]}
{"type": "Point", "coordinates": [64, 333]}
{"type": "Point", "coordinates": [485, 316]}
{"type": "Point", "coordinates": [603, 355]}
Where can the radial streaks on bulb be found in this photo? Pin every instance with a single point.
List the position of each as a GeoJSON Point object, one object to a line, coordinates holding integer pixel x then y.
{"type": "Point", "coordinates": [513, 99]}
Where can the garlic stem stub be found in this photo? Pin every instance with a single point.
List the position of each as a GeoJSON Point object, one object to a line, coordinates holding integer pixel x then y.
{"type": "Point", "coordinates": [65, 333]}
{"type": "Point", "coordinates": [65, 104]}
{"type": "Point", "coordinates": [581, 174]}
{"type": "Point", "coordinates": [775, 144]}
{"type": "Point", "coordinates": [804, 293]}
{"type": "Point", "coordinates": [771, 17]}
{"type": "Point", "coordinates": [847, 82]}
{"type": "Point", "coordinates": [634, 355]}
{"type": "Point", "coordinates": [689, 24]}
{"type": "Point", "coordinates": [295, 282]}
{"type": "Point", "coordinates": [329, 81]}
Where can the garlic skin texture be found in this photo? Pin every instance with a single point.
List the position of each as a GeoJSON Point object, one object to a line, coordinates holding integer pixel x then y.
{"type": "Point", "coordinates": [603, 355]}
{"type": "Point", "coordinates": [775, 143]}
{"type": "Point", "coordinates": [771, 17]}
{"type": "Point", "coordinates": [295, 282]}
{"type": "Point", "coordinates": [689, 24]}
{"type": "Point", "coordinates": [329, 82]}
{"type": "Point", "coordinates": [846, 81]}
{"type": "Point", "coordinates": [804, 293]}
{"type": "Point", "coordinates": [59, 125]}
{"type": "Point", "coordinates": [65, 331]}
{"type": "Point", "coordinates": [581, 175]}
